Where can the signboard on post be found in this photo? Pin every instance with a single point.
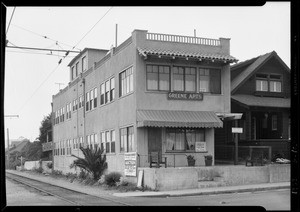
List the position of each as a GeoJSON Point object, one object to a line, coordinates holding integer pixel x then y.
{"type": "Point", "coordinates": [237, 130]}
{"type": "Point", "coordinates": [200, 146]}
{"type": "Point", "coordinates": [130, 164]}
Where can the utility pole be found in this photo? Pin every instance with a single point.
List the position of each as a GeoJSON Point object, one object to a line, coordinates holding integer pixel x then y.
{"type": "Point", "coordinates": [8, 154]}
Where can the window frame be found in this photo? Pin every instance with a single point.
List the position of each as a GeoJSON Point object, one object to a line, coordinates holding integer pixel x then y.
{"type": "Point", "coordinates": [268, 78]}
{"type": "Point", "coordinates": [130, 81]}
{"type": "Point", "coordinates": [158, 77]}
{"type": "Point", "coordinates": [126, 144]}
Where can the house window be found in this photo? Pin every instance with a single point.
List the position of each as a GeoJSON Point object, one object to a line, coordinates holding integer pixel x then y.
{"type": "Point", "coordinates": [67, 115]}
{"type": "Point", "coordinates": [266, 82]}
{"type": "Point", "coordinates": [84, 67]}
{"type": "Point", "coordinates": [70, 105]}
{"type": "Point", "coordinates": [112, 89]}
{"type": "Point", "coordinates": [126, 81]}
{"type": "Point", "coordinates": [95, 97]}
{"type": "Point", "coordinates": [204, 80]}
{"type": "Point", "coordinates": [76, 68]}
{"type": "Point", "coordinates": [107, 89]}
{"type": "Point", "coordinates": [158, 77]}
{"type": "Point", "coordinates": [275, 83]}
{"type": "Point", "coordinates": [184, 79]}
{"type": "Point", "coordinates": [102, 93]}
{"type": "Point", "coordinates": [274, 122]}
{"type": "Point", "coordinates": [178, 78]}
{"type": "Point", "coordinates": [183, 139]}
{"type": "Point", "coordinates": [92, 141]}
{"type": "Point", "coordinates": [80, 102]}
{"type": "Point", "coordinates": [96, 141]}
{"type": "Point", "coordinates": [127, 139]}
{"type": "Point", "coordinates": [72, 73]}
{"type": "Point", "coordinates": [215, 81]}
{"type": "Point", "coordinates": [81, 141]}
{"type": "Point", "coordinates": [107, 141]}
{"type": "Point", "coordinates": [102, 136]}
{"type": "Point", "coordinates": [112, 141]}
{"type": "Point", "coordinates": [91, 99]}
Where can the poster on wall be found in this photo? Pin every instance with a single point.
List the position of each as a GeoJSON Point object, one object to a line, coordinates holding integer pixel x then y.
{"type": "Point", "coordinates": [200, 146]}
{"type": "Point", "coordinates": [130, 164]}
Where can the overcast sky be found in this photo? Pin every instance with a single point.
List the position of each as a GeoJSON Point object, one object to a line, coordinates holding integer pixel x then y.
{"type": "Point", "coordinates": [31, 76]}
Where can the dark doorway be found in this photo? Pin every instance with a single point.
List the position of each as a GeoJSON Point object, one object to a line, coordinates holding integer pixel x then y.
{"type": "Point", "coordinates": [154, 139]}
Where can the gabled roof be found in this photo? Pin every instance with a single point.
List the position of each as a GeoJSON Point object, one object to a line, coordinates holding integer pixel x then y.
{"type": "Point", "coordinates": [198, 55]}
{"type": "Point", "coordinates": [256, 63]}
{"type": "Point", "coordinates": [19, 147]}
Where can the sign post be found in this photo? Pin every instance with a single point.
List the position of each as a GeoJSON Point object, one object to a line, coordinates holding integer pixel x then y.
{"type": "Point", "coordinates": [236, 130]}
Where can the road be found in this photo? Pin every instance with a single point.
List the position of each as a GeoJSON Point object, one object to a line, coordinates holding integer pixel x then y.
{"type": "Point", "coordinates": [22, 195]}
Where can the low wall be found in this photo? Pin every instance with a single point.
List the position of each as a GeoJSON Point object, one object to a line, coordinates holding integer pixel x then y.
{"type": "Point", "coordinates": [30, 165]}
{"type": "Point", "coordinates": [170, 178]}
{"type": "Point", "coordinates": [188, 177]}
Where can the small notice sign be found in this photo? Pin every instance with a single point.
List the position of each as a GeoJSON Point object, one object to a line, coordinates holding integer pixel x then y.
{"type": "Point", "coordinates": [130, 164]}
{"type": "Point", "coordinates": [200, 146]}
{"type": "Point", "coordinates": [237, 130]}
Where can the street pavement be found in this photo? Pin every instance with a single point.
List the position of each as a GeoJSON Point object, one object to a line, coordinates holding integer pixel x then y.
{"type": "Point", "coordinates": [185, 192]}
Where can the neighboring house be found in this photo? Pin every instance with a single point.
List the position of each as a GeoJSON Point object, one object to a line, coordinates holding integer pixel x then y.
{"type": "Point", "coordinates": [17, 144]}
{"type": "Point", "coordinates": [260, 89]}
{"type": "Point", "coordinates": [152, 93]}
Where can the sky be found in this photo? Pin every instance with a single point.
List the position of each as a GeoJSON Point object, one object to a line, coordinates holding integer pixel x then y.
{"type": "Point", "coordinates": [31, 76]}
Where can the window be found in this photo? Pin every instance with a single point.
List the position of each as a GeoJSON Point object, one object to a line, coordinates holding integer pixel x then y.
{"type": "Point", "coordinates": [113, 141]}
{"type": "Point", "coordinates": [184, 79]}
{"type": "Point", "coordinates": [274, 122]}
{"type": "Point", "coordinates": [102, 136]}
{"type": "Point", "coordinates": [127, 139]}
{"type": "Point", "coordinates": [107, 141]}
{"type": "Point", "coordinates": [72, 73]}
{"type": "Point", "coordinates": [183, 139]}
{"type": "Point", "coordinates": [95, 97]}
{"type": "Point", "coordinates": [126, 81]}
{"type": "Point", "coordinates": [70, 104]}
{"type": "Point", "coordinates": [84, 67]}
{"type": "Point", "coordinates": [96, 141]}
{"type": "Point", "coordinates": [88, 141]}
{"type": "Point", "coordinates": [67, 115]}
{"type": "Point", "coordinates": [92, 141]}
{"type": "Point", "coordinates": [80, 102]}
{"type": "Point", "coordinates": [76, 68]}
{"type": "Point", "coordinates": [204, 80]}
{"type": "Point", "coordinates": [178, 78]}
{"type": "Point", "coordinates": [266, 82]}
{"type": "Point", "coordinates": [112, 89]}
{"type": "Point", "coordinates": [91, 99]}
{"type": "Point", "coordinates": [107, 89]}
{"type": "Point", "coordinates": [102, 92]}
{"type": "Point", "coordinates": [81, 141]}
{"type": "Point", "coordinates": [158, 77]}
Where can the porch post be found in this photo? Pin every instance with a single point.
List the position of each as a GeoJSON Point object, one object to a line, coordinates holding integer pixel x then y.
{"type": "Point", "coordinates": [236, 144]}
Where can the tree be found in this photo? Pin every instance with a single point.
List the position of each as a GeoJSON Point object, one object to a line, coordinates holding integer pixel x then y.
{"type": "Point", "coordinates": [45, 129]}
{"type": "Point", "coordinates": [93, 162]}
{"type": "Point", "coordinates": [32, 151]}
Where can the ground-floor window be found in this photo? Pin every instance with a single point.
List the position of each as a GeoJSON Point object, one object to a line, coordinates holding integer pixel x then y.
{"type": "Point", "coordinates": [127, 139]}
{"type": "Point", "coordinates": [180, 139]}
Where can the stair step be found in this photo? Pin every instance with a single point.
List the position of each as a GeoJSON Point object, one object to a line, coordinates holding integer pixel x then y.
{"type": "Point", "coordinates": [209, 184]}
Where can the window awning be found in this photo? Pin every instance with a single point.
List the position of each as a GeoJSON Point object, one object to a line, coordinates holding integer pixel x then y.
{"type": "Point", "coordinates": [167, 118]}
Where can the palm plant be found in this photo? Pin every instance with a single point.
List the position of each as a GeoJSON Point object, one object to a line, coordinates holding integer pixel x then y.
{"type": "Point", "coordinates": [93, 162]}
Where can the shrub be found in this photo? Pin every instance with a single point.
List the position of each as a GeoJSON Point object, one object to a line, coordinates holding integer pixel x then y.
{"type": "Point", "coordinates": [82, 175]}
{"type": "Point", "coordinates": [71, 176]}
{"type": "Point", "coordinates": [50, 165]}
{"type": "Point", "coordinates": [112, 178]}
{"type": "Point", "coordinates": [38, 170]}
{"type": "Point", "coordinates": [56, 173]}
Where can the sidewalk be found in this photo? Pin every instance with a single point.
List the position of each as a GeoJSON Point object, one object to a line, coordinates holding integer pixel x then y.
{"type": "Point", "coordinates": [101, 192]}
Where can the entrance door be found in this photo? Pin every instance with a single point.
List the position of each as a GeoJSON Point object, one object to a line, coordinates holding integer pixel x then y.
{"type": "Point", "coordinates": [154, 139]}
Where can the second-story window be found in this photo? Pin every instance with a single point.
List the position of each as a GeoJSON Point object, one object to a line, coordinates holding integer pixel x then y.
{"type": "Point", "coordinates": [102, 93]}
{"type": "Point", "coordinates": [266, 82]}
{"type": "Point", "coordinates": [112, 89]}
{"type": "Point", "coordinates": [70, 104]}
{"type": "Point", "coordinates": [67, 114]}
{"type": "Point", "coordinates": [158, 77]}
{"type": "Point", "coordinates": [76, 68]}
{"type": "Point", "coordinates": [84, 64]}
{"type": "Point", "coordinates": [87, 101]}
{"type": "Point", "coordinates": [80, 102]}
{"type": "Point", "coordinates": [261, 82]}
{"type": "Point", "coordinates": [95, 97]}
{"type": "Point", "coordinates": [184, 79]}
{"type": "Point", "coordinates": [107, 90]}
{"type": "Point", "coordinates": [210, 80]}
{"type": "Point", "coordinates": [126, 81]}
{"type": "Point", "coordinates": [72, 73]}
{"type": "Point", "coordinates": [275, 83]}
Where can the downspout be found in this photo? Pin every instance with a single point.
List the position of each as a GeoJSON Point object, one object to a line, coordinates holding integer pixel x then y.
{"type": "Point", "coordinates": [83, 82]}
{"type": "Point", "coordinates": [52, 131]}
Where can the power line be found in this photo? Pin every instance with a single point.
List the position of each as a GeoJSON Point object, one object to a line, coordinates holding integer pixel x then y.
{"type": "Point", "coordinates": [28, 52]}
{"type": "Point", "coordinates": [43, 36]}
{"type": "Point", "coordinates": [38, 87]}
{"type": "Point", "coordinates": [32, 48]}
{"type": "Point", "coordinates": [10, 19]}
{"type": "Point", "coordinates": [92, 27]}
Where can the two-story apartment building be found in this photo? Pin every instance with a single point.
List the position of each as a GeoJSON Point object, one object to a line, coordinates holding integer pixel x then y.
{"type": "Point", "coordinates": [154, 92]}
{"type": "Point", "coordinates": [260, 89]}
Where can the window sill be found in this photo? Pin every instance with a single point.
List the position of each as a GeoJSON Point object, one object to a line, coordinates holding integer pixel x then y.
{"type": "Point", "coordinates": [107, 103]}
{"type": "Point", "coordinates": [125, 95]}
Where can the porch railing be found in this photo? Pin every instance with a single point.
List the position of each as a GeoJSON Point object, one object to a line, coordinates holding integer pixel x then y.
{"type": "Point", "coordinates": [183, 39]}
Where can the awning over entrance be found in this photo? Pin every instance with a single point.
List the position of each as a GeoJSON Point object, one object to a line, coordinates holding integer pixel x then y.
{"type": "Point", "coordinates": [167, 118]}
{"type": "Point", "coordinates": [250, 100]}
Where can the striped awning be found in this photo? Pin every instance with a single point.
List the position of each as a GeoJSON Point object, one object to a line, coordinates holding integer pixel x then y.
{"type": "Point", "coordinates": [170, 118]}
{"type": "Point", "coordinates": [187, 54]}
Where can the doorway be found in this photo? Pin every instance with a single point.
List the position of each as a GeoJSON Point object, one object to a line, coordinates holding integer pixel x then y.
{"type": "Point", "coordinates": [154, 139]}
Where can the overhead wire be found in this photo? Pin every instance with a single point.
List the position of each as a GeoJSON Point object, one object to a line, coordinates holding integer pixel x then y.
{"type": "Point", "coordinates": [61, 58]}
{"type": "Point", "coordinates": [10, 20]}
